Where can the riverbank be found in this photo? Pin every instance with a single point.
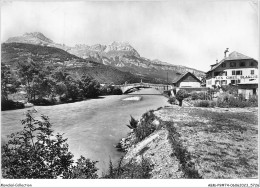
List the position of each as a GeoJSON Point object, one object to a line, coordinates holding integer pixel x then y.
{"type": "Point", "coordinates": [190, 142]}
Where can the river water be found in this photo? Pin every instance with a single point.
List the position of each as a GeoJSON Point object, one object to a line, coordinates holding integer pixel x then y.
{"type": "Point", "coordinates": [93, 126]}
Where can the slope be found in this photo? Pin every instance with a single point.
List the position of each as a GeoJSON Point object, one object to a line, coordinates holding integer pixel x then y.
{"type": "Point", "coordinates": [12, 53]}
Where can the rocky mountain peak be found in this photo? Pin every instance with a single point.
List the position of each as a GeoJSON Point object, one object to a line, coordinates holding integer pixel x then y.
{"type": "Point", "coordinates": [122, 46]}
{"type": "Point", "coordinates": [31, 38]}
{"type": "Point", "coordinates": [39, 36]}
{"type": "Point", "coordinates": [82, 46]}
{"type": "Point", "coordinates": [98, 47]}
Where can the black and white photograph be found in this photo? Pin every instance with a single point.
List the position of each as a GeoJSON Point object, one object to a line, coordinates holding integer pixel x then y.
{"type": "Point", "coordinates": [111, 93]}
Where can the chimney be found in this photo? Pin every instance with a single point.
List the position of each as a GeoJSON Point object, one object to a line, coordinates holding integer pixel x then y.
{"type": "Point", "coordinates": [225, 53]}
{"type": "Point", "coordinates": [216, 61]}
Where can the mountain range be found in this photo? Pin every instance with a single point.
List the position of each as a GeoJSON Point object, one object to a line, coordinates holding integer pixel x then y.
{"type": "Point", "coordinates": [120, 55]}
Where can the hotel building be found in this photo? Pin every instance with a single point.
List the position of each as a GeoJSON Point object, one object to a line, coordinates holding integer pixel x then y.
{"type": "Point", "coordinates": [235, 69]}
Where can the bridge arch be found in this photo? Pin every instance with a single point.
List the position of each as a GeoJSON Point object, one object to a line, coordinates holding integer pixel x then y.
{"type": "Point", "coordinates": [128, 87]}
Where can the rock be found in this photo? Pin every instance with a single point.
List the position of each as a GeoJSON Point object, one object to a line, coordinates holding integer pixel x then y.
{"type": "Point", "coordinates": [156, 123]}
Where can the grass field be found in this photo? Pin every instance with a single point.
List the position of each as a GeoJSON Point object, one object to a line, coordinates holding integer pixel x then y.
{"type": "Point", "coordinates": [221, 143]}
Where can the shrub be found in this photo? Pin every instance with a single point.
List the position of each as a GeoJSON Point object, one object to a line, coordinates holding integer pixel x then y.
{"type": "Point", "coordinates": [110, 90]}
{"type": "Point", "coordinates": [188, 99]}
{"type": "Point", "coordinates": [167, 93]}
{"type": "Point", "coordinates": [10, 105]}
{"type": "Point", "coordinates": [35, 153]}
{"type": "Point", "coordinates": [202, 95]}
{"type": "Point", "coordinates": [145, 127]}
{"type": "Point", "coordinates": [131, 170]}
{"type": "Point", "coordinates": [172, 100]}
{"type": "Point", "coordinates": [205, 103]}
{"type": "Point", "coordinates": [199, 95]}
{"type": "Point", "coordinates": [84, 169]}
{"type": "Point", "coordinates": [132, 123]}
{"type": "Point", "coordinates": [117, 91]}
{"type": "Point", "coordinates": [230, 89]}
{"type": "Point", "coordinates": [253, 100]}
{"type": "Point", "coordinates": [227, 100]}
{"type": "Point", "coordinates": [44, 102]}
{"type": "Point", "coordinates": [194, 95]}
{"type": "Point", "coordinates": [181, 94]}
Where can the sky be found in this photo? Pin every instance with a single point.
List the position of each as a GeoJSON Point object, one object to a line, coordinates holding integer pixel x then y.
{"type": "Point", "coordinates": [192, 33]}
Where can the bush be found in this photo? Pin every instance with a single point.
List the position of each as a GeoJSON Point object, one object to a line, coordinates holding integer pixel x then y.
{"type": "Point", "coordinates": [35, 153]}
{"type": "Point", "coordinates": [253, 100]}
{"type": "Point", "coordinates": [110, 90]}
{"type": "Point", "coordinates": [172, 100]}
{"type": "Point", "coordinates": [167, 93]}
{"type": "Point", "coordinates": [145, 127]}
{"type": "Point", "coordinates": [132, 123]}
{"type": "Point", "coordinates": [227, 100]}
{"type": "Point", "coordinates": [117, 91]}
{"type": "Point", "coordinates": [230, 89]}
{"type": "Point", "coordinates": [205, 103]}
{"type": "Point", "coordinates": [181, 94]}
{"type": "Point", "coordinates": [131, 170]}
{"type": "Point", "coordinates": [43, 102]}
{"type": "Point", "coordinates": [199, 95]}
{"type": "Point", "coordinates": [202, 95]}
{"type": "Point", "coordinates": [194, 95]}
{"type": "Point", "coordinates": [10, 105]}
{"type": "Point", "coordinates": [188, 99]}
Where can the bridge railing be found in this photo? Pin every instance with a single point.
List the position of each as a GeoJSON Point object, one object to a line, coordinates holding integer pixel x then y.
{"type": "Point", "coordinates": [142, 84]}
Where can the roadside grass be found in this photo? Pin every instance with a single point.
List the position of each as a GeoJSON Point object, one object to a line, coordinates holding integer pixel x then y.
{"type": "Point", "coordinates": [222, 144]}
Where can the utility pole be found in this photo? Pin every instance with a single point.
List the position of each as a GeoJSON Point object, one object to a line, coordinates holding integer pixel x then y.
{"type": "Point", "coordinates": [167, 80]}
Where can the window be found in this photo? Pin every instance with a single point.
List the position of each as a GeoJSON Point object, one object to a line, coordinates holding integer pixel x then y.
{"type": "Point", "coordinates": [242, 64]}
{"type": "Point", "coordinates": [239, 72]}
{"type": "Point", "coordinates": [233, 81]}
{"type": "Point", "coordinates": [232, 64]}
{"type": "Point", "coordinates": [224, 73]}
{"type": "Point", "coordinates": [238, 81]}
{"type": "Point", "coordinates": [223, 65]}
{"type": "Point", "coordinates": [252, 64]}
{"type": "Point", "coordinates": [223, 82]}
{"type": "Point", "coordinates": [252, 71]}
{"type": "Point", "coordinates": [233, 72]}
{"type": "Point", "coordinates": [216, 73]}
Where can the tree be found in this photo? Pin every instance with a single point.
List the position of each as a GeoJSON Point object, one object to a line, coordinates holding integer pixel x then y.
{"type": "Point", "coordinates": [35, 152]}
{"type": "Point", "coordinates": [89, 86]}
{"type": "Point", "coordinates": [38, 78]}
{"type": "Point", "coordinates": [73, 88]}
{"type": "Point", "coordinates": [9, 82]}
{"type": "Point", "coordinates": [27, 70]}
{"type": "Point", "coordinates": [60, 88]}
{"type": "Point", "coordinates": [181, 94]}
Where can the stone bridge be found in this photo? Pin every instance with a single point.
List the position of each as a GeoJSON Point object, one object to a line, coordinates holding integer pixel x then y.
{"type": "Point", "coordinates": [127, 88]}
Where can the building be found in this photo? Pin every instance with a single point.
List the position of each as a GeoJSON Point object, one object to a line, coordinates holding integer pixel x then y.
{"type": "Point", "coordinates": [186, 80]}
{"type": "Point", "coordinates": [235, 69]}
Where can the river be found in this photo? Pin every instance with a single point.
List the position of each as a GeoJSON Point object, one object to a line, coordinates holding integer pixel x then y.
{"type": "Point", "coordinates": [93, 126]}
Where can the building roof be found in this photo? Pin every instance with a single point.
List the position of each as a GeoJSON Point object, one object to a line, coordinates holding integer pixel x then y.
{"type": "Point", "coordinates": [181, 77]}
{"type": "Point", "coordinates": [232, 56]}
{"type": "Point", "coordinates": [236, 55]}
